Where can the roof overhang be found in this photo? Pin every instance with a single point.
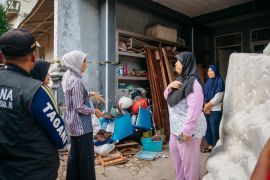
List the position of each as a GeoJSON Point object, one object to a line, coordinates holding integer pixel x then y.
{"type": "Point", "coordinates": [194, 8]}
{"type": "Point", "coordinates": [40, 20]}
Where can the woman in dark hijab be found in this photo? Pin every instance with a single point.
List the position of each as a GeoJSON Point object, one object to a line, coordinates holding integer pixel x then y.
{"type": "Point", "coordinates": [187, 122]}
{"type": "Point", "coordinates": [40, 71]}
{"type": "Point", "coordinates": [213, 95]}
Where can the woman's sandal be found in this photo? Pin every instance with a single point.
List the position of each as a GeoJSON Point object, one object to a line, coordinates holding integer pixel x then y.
{"type": "Point", "coordinates": [206, 150]}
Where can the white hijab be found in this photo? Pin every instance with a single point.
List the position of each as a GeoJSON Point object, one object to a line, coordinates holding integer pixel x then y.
{"type": "Point", "coordinates": [73, 61]}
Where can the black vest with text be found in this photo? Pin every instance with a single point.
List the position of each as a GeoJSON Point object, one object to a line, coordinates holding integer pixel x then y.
{"type": "Point", "coordinates": [25, 150]}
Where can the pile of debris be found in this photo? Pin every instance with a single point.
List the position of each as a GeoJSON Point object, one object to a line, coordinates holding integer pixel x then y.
{"type": "Point", "coordinates": [122, 152]}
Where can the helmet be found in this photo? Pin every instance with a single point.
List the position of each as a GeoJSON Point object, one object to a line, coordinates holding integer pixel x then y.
{"type": "Point", "coordinates": [137, 104]}
{"type": "Point", "coordinates": [125, 102]}
{"type": "Point", "coordinates": [137, 93]}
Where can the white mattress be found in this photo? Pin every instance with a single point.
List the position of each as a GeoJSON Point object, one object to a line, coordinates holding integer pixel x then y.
{"type": "Point", "coordinates": [245, 125]}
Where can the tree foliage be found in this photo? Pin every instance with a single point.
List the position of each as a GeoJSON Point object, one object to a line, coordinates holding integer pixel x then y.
{"type": "Point", "coordinates": [4, 26]}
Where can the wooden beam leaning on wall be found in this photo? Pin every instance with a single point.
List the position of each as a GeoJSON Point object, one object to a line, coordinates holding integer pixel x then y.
{"type": "Point", "coordinates": [159, 59]}
{"type": "Point", "coordinates": [160, 109]}
{"type": "Point", "coordinates": [168, 65]}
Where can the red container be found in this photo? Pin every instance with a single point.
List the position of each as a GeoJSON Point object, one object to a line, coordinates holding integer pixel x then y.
{"type": "Point", "coordinates": [137, 104]}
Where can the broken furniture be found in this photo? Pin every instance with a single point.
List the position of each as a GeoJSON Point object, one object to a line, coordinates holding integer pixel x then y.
{"type": "Point", "coordinates": [113, 158]}
{"type": "Point", "coordinates": [135, 45]}
{"type": "Point", "coordinates": [128, 147]}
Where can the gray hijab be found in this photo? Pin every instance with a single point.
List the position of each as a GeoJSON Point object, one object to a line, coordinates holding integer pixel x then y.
{"type": "Point", "coordinates": [189, 74]}
{"type": "Point", "coordinates": [73, 61]}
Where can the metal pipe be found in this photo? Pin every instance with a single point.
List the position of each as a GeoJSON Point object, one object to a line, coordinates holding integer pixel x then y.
{"type": "Point", "coordinates": [106, 57]}
{"type": "Point", "coordinates": [55, 26]}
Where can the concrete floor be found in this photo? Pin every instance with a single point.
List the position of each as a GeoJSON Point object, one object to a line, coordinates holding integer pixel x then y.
{"type": "Point", "coordinates": [159, 169]}
{"type": "Point", "coordinates": [134, 169]}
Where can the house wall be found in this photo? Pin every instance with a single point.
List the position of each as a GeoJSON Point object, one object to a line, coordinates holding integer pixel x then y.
{"type": "Point", "coordinates": [46, 42]}
{"type": "Point", "coordinates": [134, 19]}
{"type": "Point", "coordinates": [222, 57]}
{"type": "Point", "coordinates": [25, 9]}
{"type": "Point", "coordinates": [244, 27]}
{"type": "Point", "coordinates": [137, 20]}
{"type": "Point", "coordinates": [89, 26]}
{"type": "Point", "coordinates": [78, 29]}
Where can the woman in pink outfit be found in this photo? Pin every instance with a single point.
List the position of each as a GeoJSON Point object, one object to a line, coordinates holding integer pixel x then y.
{"type": "Point", "coordinates": [187, 122]}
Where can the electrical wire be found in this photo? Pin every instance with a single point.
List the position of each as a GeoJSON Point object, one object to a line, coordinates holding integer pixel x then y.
{"type": "Point", "coordinates": [93, 62]}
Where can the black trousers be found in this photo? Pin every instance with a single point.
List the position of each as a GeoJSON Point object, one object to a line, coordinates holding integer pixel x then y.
{"type": "Point", "coordinates": [81, 158]}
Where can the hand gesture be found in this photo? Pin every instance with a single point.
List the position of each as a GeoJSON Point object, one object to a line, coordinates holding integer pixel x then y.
{"type": "Point", "coordinates": [207, 108]}
{"type": "Point", "coordinates": [186, 138]}
{"type": "Point", "coordinates": [98, 113]}
{"type": "Point", "coordinates": [98, 97]}
{"type": "Point", "coordinates": [175, 85]}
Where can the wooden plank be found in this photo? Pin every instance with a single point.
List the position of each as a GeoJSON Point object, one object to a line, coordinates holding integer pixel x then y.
{"type": "Point", "coordinates": [111, 158]}
{"type": "Point", "coordinates": [100, 160]}
{"type": "Point", "coordinates": [97, 161]}
{"type": "Point", "coordinates": [164, 79]}
{"type": "Point", "coordinates": [168, 65]}
{"type": "Point", "coordinates": [164, 69]}
{"type": "Point", "coordinates": [161, 102]}
{"type": "Point", "coordinates": [115, 161]}
{"type": "Point", "coordinates": [111, 161]}
{"type": "Point", "coordinates": [160, 109]}
{"type": "Point", "coordinates": [126, 144]}
{"type": "Point", "coordinates": [153, 88]}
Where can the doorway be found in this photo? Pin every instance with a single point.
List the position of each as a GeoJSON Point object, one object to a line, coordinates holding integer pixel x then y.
{"type": "Point", "coordinates": [223, 56]}
{"type": "Point", "coordinates": [225, 46]}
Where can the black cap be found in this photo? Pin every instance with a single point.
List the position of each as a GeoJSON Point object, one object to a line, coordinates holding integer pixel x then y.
{"type": "Point", "coordinates": [40, 70]}
{"type": "Point", "coordinates": [17, 42]}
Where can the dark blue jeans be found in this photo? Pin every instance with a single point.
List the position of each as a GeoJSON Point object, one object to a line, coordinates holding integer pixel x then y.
{"type": "Point", "coordinates": [213, 120]}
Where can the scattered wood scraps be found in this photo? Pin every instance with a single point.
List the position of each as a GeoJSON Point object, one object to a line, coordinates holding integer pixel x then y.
{"type": "Point", "coordinates": [113, 158]}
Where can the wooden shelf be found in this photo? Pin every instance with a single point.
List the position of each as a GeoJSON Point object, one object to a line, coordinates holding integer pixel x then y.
{"type": "Point", "coordinates": [132, 78]}
{"type": "Point", "coordinates": [135, 35]}
{"type": "Point", "coordinates": [146, 38]}
{"type": "Point", "coordinates": [130, 54]}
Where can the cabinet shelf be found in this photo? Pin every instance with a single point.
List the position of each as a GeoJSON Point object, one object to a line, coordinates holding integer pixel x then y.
{"type": "Point", "coordinates": [122, 53]}
{"type": "Point", "coordinates": [150, 39]}
{"type": "Point", "coordinates": [132, 78]}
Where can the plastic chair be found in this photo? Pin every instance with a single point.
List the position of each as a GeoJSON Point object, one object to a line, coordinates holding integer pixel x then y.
{"type": "Point", "coordinates": [122, 127]}
{"type": "Point", "coordinates": [144, 119]}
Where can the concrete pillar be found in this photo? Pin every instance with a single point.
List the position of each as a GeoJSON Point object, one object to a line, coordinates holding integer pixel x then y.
{"type": "Point", "coordinates": [107, 49]}
{"type": "Point", "coordinates": [77, 27]}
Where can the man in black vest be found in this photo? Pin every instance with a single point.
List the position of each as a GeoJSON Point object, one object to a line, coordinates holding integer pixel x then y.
{"type": "Point", "coordinates": [31, 128]}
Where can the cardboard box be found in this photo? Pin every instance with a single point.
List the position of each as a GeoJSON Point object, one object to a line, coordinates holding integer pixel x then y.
{"type": "Point", "coordinates": [163, 33]}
